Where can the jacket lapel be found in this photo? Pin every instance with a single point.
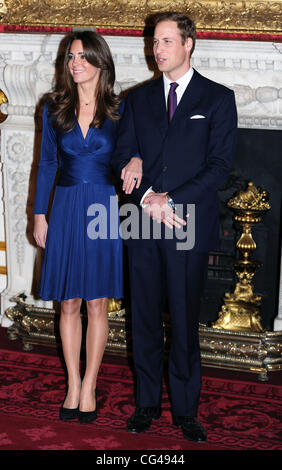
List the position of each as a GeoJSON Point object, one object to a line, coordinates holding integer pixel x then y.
{"type": "Point", "coordinates": [157, 105]}
{"type": "Point", "coordinates": [189, 100]}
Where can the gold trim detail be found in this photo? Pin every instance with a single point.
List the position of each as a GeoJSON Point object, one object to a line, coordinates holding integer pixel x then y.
{"type": "Point", "coordinates": [233, 16]}
{"type": "Point", "coordinates": [3, 99]}
{"type": "Point", "coordinates": [257, 352]}
{"type": "Point", "coordinates": [3, 269]}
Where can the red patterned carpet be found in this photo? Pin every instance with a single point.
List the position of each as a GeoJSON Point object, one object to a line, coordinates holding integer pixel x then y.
{"type": "Point", "coordinates": [238, 415]}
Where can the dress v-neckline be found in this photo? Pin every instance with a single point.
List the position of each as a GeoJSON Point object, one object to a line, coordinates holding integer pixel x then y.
{"type": "Point", "coordinates": [84, 138]}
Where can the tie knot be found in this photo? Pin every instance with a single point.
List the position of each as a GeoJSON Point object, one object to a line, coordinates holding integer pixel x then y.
{"type": "Point", "coordinates": [172, 100]}
{"type": "Point", "coordinates": [173, 86]}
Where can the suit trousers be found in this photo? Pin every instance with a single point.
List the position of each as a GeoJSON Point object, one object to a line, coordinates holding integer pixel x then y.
{"type": "Point", "coordinates": [160, 273]}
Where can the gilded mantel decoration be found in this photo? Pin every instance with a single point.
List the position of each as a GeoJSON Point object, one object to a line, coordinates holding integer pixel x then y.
{"type": "Point", "coordinates": [241, 309]}
{"type": "Point", "coordinates": [3, 99]}
{"type": "Point", "coordinates": [257, 352]}
{"type": "Point", "coordinates": [232, 16]}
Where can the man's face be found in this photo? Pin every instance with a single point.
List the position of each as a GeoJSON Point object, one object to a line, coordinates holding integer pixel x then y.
{"type": "Point", "coordinates": [172, 57]}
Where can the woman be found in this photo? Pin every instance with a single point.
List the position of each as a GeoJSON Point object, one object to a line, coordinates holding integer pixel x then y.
{"type": "Point", "coordinates": [80, 121]}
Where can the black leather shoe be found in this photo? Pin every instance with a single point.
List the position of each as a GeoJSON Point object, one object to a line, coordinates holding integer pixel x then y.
{"type": "Point", "coordinates": [86, 417]}
{"type": "Point", "coordinates": [66, 414]}
{"type": "Point", "coordinates": [141, 420]}
{"type": "Point", "coordinates": [191, 428]}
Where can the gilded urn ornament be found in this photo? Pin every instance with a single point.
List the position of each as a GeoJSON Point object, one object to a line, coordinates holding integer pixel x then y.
{"type": "Point", "coordinates": [241, 309]}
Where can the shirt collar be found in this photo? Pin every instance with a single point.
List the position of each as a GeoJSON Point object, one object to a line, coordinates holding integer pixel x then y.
{"type": "Point", "coordinates": [182, 81]}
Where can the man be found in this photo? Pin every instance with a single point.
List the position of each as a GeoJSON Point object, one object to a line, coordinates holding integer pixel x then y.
{"type": "Point", "coordinates": [185, 158]}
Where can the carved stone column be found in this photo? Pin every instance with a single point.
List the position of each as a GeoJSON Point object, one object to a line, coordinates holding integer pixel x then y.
{"type": "Point", "coordinates": [26, 71]}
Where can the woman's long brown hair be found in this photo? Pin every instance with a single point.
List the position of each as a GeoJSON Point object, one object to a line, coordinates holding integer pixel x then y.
{"type": "Point", "coordinates": [63, 101]}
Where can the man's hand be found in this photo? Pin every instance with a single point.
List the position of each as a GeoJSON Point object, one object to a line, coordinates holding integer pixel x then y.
{"type": "Point", "coordinates": [132, 175]}
{"type": "Point", "coordinates": [40, 229]}
{"type": "Point", "coordinates": [156, 206]}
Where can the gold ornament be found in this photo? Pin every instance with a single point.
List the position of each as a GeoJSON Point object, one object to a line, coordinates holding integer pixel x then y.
{"type": "Point", "coordinates": [3, 99]}
{"type": "Point", "coordinates": [241, 308]}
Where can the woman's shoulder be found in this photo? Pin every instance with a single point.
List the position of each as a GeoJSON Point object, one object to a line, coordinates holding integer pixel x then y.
{"type": "Point", "coordinates": [121, 106]}
{"type": "Point", "coordinates": [120, 111]}
{"type": "Point", "coordinates": [47, 103]}
{"type": "Point", "coordinates": [46, 110]}
{"type": "Point", "coordinates": [43, 107]}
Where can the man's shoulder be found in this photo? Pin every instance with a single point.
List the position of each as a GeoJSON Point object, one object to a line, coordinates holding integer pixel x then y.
{"type": "Point", "coordinates": [212, 86]}
{"type": "Point", "coordinates": [145, 87]}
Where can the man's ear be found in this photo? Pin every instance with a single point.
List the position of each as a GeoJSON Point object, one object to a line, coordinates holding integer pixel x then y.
{"type": "Point", "coordinates": [189, 44]}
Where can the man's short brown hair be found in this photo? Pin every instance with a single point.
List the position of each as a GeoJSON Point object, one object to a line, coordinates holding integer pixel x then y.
{"type": "Point", "coordinates": [185, 25]}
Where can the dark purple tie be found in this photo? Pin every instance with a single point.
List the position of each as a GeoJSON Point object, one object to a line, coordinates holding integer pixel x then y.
{"type": "Point", "coordinates": [172, 100]}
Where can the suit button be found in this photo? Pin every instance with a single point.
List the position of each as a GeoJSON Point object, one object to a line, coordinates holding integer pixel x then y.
{"type": "Point", "coordinates": [164, 168]}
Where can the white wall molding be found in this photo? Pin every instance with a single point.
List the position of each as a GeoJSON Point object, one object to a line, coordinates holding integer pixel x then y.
{"type": "Point", "coordinates": [252, 69]}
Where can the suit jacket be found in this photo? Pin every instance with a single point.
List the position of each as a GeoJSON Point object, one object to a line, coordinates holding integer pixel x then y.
{"type": "Point", "coordinates": [191, 157]}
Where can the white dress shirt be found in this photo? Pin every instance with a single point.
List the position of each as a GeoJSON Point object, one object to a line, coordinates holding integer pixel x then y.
{"type": "Point", "coordinates": [183, 82]}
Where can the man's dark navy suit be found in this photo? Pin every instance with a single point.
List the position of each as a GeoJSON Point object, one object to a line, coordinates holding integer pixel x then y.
{"type": "Point", "coordinates": [189, 158]}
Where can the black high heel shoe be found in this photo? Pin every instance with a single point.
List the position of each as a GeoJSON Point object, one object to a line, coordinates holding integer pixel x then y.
{"type": "Point", "coordinates": [67, 414]}
{"type": "Point", "coordinates": [85, 417]}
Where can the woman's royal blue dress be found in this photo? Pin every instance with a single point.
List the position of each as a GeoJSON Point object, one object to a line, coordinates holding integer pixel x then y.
{"type": "Point", "coordinates": [83, 252]}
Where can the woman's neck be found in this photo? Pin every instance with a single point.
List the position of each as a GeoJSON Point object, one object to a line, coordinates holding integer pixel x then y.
{"type": "Point", "coordinates": [86, 94]}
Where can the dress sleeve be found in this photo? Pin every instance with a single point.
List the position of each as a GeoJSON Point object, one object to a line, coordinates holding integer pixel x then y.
{"type": "Point", "coordinates": [126, 148]}
{"type": "Point", "coordinates": [47, 167]}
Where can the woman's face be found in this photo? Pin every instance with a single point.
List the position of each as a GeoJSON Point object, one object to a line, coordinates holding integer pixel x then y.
{"type": "Point", "coordinates": [81, 70]}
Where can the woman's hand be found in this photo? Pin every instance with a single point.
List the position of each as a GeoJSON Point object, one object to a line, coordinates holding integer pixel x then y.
{"type": "Point", "coordinates": [132, 175]}
{"type": "Point", "coordinates": [40, 229]}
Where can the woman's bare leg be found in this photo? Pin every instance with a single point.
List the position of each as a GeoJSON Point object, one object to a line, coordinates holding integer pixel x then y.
{"type": "Point", "coordinates": [96, 340]}
{"type": "Point", "coordinates": [71, 336]}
